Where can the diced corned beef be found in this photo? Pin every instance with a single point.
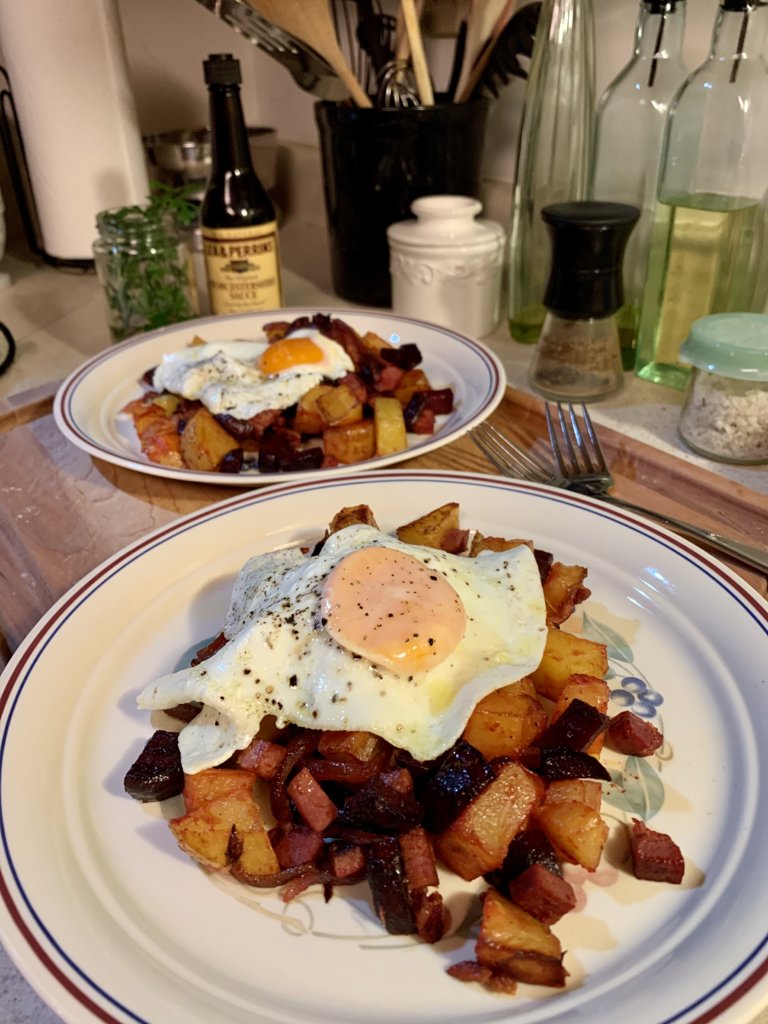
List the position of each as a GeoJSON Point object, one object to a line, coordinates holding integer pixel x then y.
{"type": "Point", "coordinates": [470, 970]}
{"type": "Point", "coordinates": [389, 378]}
{"type": "Point", "coordinates": [455, 541]}
{"type": "Point", "coordinates": [356, 385]}
{"type": "Point", "coordinates": [205, 652]}
{"type": "Point", "coordinates": [655, 857]}
{"type": "Point", "coordinates": [346, 861]}
{"type": "Point", "coordinates": [298, 845]}
{"type": "Point", "coordinates": [313, 804]}
{"type": "Point", "coordinates": [542, 894]}
{"type": "Point", "coordinates": [261, 757]}
{"type": "Point", "coordinates": [424, 423]}
{"type": "Point", "coordinates": [418, 858]}
{"type": "Point", "coordinates": [630, 734]}
{"type": "Point", "coordinates": [429, 914]}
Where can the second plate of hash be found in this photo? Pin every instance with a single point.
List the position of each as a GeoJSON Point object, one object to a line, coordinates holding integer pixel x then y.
{"type": "Point", "coordinates": [116, 924]}
{"type": "Point", "coordinates": [90, 405]}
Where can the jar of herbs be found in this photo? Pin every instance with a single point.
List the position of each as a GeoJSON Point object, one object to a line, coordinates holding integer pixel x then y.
{"type": "Point", "coordinates": [725, 412]}
{"type": "Point", "coordinates": [144, 263]}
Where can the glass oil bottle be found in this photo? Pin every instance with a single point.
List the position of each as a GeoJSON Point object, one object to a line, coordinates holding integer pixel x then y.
{"type": "Point", "coordinates": [709, 247]}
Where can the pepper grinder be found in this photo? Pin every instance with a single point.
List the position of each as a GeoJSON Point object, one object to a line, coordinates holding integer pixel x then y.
{"type": "Point", "coordinates": [577, 356]}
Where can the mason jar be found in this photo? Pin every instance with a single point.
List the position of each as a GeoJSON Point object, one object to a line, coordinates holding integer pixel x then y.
{"type": "Point", "coordinates": [725, 411]}
{"type": "Point", "coordinates": [144, 264]}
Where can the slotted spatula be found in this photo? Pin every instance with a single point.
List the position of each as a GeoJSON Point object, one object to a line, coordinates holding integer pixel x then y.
{"type": "Point", "coordinates": [311, 21]}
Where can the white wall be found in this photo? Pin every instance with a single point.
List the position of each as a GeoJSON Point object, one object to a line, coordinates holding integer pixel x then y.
{"type": "Point", "coordinates": [167, 41]}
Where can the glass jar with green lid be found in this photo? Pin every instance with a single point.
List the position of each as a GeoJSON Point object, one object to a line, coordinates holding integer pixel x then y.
{"type": "Point", "coordinates": [725, 412]}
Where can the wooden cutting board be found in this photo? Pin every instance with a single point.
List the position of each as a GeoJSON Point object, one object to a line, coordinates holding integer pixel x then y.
{"type": "Point", "coordinates": [62, 512]}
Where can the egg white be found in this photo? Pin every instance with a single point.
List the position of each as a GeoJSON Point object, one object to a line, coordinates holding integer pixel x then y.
{"type": "Point", "coordinates": [225, 377]}
{"type": "Point", "coordinates": [279, 660]}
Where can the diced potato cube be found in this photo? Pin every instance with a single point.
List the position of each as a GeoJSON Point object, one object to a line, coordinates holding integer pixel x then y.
{"type": "Point", "coordinates": [339, 406]}
{"type": "Point", "coordinates": [204, 443]}
{"type": "Point", "coordinates": [213, 783]}
{"type": "Point", "coordinates": [563, 590]}
{"type": "Point", "coordinates": [576, 830]}
{"type": "Point", "coordinates": [351, 515]}
{"type": "Point", "coordinates": [507, 721]}
{"type": "Point", "coordinates": [411, 382]}
{"type": "Point", "coordinates": [580, 791]}
{"type": "Point", "coordinates": [373, 343]}
{"type": "Point", "coordinates": [168, 403]}
{"type": "Point", "coordinates": [431, 529]}
{"type": "Point", "coordinates": [390, 426]}
{"type": "Point", "coordinates": [206, 832]}
{"type": "Point", "coordinates": [350, 444]}
{"type": "Point", "coordinates": [307, 419]}
{"type": "Point", "coordinates": [477, 841]}
{"type": "Point", "coordinates": [513, 943]}
{"type": "Point", "coordinates": [566, 654]}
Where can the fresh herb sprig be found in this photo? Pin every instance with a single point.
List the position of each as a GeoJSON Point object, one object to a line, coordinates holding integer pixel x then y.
{"type": "Point", "coordinates": [145, 269]}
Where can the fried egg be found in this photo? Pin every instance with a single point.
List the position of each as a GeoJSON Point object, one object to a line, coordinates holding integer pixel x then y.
{"type": "Point", "coordinates": [369, 634]}
{"type": "Point", "coordinates": [243, 378]}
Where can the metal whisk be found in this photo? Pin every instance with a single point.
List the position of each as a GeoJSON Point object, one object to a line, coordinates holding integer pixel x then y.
{"type": "Point", "coordinates": [396, 86]}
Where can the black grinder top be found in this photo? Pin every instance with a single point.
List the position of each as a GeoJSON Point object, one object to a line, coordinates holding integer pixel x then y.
{"type": "Point", "coordinates": [588, 242]}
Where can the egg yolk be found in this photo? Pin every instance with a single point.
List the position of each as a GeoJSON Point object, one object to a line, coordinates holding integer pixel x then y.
{"type": "Point", "coordinates": [392, 609]}
{"type": "Point", "coordinates": [282, 355]}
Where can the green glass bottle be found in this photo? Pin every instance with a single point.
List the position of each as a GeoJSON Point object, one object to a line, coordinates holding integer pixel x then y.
{"type": "Point", "coordinates": [709, 246]}
{"type": "Point", "coordinates": [554, 150]}
{"type": "Point", "coordinates": [629, 133]}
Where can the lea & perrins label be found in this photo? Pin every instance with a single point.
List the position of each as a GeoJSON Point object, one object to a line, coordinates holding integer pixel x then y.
{"type": "Point", "coordinates": [243, 268]}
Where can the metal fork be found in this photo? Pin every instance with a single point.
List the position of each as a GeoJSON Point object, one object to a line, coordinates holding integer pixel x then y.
{"type": "Point", "coordinates": [580, 466]}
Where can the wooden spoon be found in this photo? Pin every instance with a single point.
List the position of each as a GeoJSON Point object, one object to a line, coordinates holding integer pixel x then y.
{"type": "Point", "coordinates": [418, 57]}
{"type": "Point", "coordinates": [311, 22]}
{"type": "Point", "coordinates": [476, 68]}
{"type": "Point", "coordinates": [482, 19]}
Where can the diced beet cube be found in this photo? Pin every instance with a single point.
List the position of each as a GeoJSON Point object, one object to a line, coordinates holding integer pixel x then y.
{"type": "Point", "coordinates": [405, 357]}
{"type": "Point", "coordinates": [576, 728]}
{"type": "Point", "coordinates": [389, 887]}
{"type": "Point", "coordinates": [461, 775]}
{"type": "Point", "coordinates": [377, 805]}
{"type": "Point", "coordinates": [562, 763]}
{"type": "Point", "coordinates": [439, 400]}
{"type": "Point", "coordinates": [156, 774]}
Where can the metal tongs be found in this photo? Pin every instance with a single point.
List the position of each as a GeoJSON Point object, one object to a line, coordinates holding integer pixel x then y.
{"type": "Point", "coordinates": [308, 69]}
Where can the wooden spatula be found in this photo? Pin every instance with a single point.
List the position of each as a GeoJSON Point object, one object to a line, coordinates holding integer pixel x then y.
{"type": "Point", "coordinates": [311, 22]}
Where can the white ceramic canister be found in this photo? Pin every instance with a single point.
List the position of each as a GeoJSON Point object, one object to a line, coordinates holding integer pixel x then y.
{"type": "Point", "coordinates": [446, 264]}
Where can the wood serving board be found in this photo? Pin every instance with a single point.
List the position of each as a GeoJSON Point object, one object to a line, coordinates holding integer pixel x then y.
{"type": "Point", "coordinates": [62, 512]}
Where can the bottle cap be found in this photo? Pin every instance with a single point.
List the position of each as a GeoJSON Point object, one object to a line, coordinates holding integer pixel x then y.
{"type": "Point", "coordinates": [730, 345]}
{"type": "Point", "coordinates": [737, 5]}
{"type": "Point", "coordinates": [222, 69]}
{"type": "Point", "coordinates": [588, 243]}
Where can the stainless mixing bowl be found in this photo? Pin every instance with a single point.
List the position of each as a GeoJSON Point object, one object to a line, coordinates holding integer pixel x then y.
{"type": "Point", "coordinates": [184, 156]}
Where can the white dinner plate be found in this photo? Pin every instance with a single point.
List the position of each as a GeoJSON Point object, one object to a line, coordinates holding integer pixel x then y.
{"type": "Point", "coordinates": [88, 405]}
{"type": "Point", "coordinates": [112, 923]}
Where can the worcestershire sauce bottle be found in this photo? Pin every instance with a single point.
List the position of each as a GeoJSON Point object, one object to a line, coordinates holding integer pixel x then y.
{"type": "Point", "coordinates": [237, 216]}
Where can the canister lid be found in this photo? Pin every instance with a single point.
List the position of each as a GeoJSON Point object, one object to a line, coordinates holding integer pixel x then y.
{"type": "Point", "coordinates": [729, 344]}
{"type": "Point", "coordinates": [446, 222]}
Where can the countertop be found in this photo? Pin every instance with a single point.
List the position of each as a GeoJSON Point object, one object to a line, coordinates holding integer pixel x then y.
{"type": "Point", "coordinates": [58, 319]}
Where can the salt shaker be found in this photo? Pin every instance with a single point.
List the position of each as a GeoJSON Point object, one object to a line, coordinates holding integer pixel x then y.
{"type": "Point", "coordinates": [446, 264]}
{"type": "Point", "coordinates": [725, 412]}
{"type": "Point", "coordinates": [577, 355]}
